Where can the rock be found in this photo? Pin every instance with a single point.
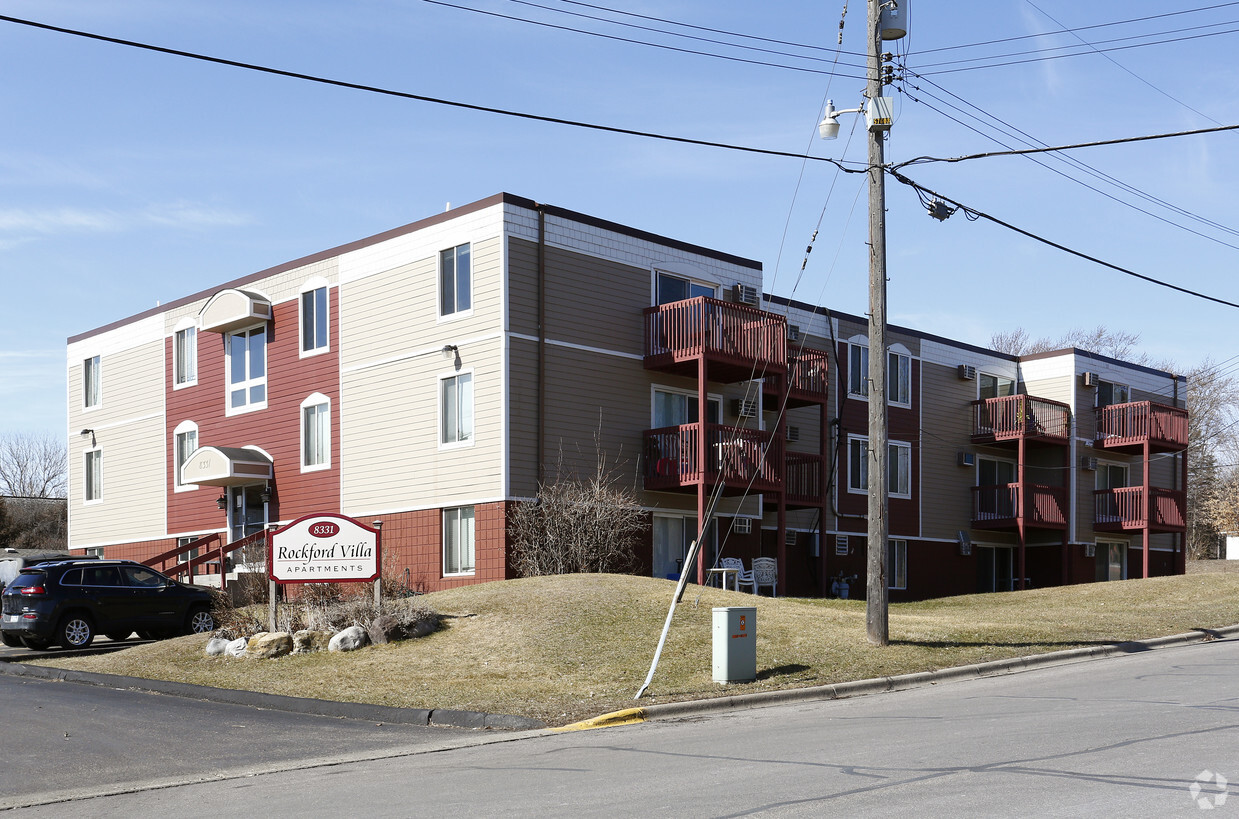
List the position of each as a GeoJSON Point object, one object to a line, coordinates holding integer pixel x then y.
{"type": "Point", "coordinates": [350, 639]}
{"type": "Point", "coordinates": [216, 646]}
{"type": "Point", "coordinates": [268, 645]}
{"type": "Point", "coordinates": [236, 648]}
{"type": "Point", "coordinates": [307, 642]}
{"type": "Point", "coordinates": [387, 628]}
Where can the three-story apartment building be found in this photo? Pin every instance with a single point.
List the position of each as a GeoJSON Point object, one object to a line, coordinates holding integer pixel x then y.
{"type": "Point", "coordinates": [430, 377]}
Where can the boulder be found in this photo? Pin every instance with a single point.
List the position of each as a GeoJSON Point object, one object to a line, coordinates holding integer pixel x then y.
{"type": "Point", "coordinates": [236, 648]}
{"type": "Point", "coordinates": [216, 646]}
{"type": "Point", "coordinates": [268, 645]}
{"type": "Point", "coordinates": [387, 628]}
{"type": "Point", "coordinates": [350, 639]}
{"type": "Point", "coordinates": [307, 641]}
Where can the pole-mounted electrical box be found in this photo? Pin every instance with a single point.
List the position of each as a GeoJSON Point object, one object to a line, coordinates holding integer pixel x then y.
{"type": "Point", "coordinates": [879, 114]}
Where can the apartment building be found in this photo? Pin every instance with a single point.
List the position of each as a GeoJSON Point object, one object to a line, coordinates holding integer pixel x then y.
{"type": "Point", "coordinates": [428, 378]}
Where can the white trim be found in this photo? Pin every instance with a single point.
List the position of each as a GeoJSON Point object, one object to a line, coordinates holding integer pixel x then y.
{"type": "Point", "coordinates": [472, 570]}
{"type": "Point", "coordinates": [315, 400]}
{"type": "Point", "coordinates": [313, 285]}
{"type": "Point", "coordinates": [396, 359]}
{"type": "Point", "coordinates": [248, 383]}
{"type": "Point", "coordinates": [581, 347]}
{"type": "Point", "coordinates": [439, 431]}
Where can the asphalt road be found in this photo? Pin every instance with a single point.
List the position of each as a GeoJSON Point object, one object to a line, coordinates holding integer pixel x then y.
{"type": "Point", "coordinates": [1126, 736]}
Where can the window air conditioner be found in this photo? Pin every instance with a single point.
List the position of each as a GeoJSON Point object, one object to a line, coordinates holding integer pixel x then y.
{"type": "Point", "coordinates": [744, 407]}
{"type": "Point", "coordinates": [744, 294]}
{"type": "Point", "coordinates": [1088, 464]}
{"type": "Point", "coordinates": [966, 458]}
{"type": "Point", "coordinates": [1091, 379]}
{"type": "Point", "coordinates": [792, 433]}
{"type": "Point", "coordinates": [742, 526]}
{"type": "Point", "coordinates": [967, 372]}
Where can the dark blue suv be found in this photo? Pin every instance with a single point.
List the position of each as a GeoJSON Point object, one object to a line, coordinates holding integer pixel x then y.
{"type": "Point", "coordinates": [69, 602]}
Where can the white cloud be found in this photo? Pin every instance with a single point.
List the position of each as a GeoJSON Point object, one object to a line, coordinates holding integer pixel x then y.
{"type": "Point", "coordinates": [21, 223]}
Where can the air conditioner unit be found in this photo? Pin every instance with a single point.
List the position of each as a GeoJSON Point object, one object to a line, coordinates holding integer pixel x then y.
{"type": "Point", "coordinates": [792, 433]}
{"type": "Point", "coordinates": [967, 372]}
{"type": "Point", "coordinates": [1090, 379]}
{"type": "Point", "coordinates": [1088, 464]}
{"type": "Point", "coordinates": [841, 545]}
{"type": "Point", "coordinates": [744, 294]}
{"type": "Point", "coordinates": [790, 538]}
{"type": "Point", "coordinates": [744, 407]}
{"type": "Point", "coordinates": [793, 332]}
{"type": "Point", "coordinates": [966, 458]}
{"type": "Point", "coordinates": [742, 526]}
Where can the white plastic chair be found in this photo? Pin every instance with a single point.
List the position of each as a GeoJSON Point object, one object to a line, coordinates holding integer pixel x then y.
{"type": "Point", "coordinates": [737, 564]}
{"type": "Point", "coordinates": [765, 572]}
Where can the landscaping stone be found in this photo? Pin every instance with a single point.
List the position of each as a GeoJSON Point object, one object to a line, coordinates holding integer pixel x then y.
{"type": "Point", "coordinates": [388, 628]}
{"type": "Point", "coordinates": [307, 641]}
{"type": "Point", "coordinates": [216, 646]}
{"type": "Point", "coordinates": [237, 647]}
{"type": "Point", "coordinates": [350, 639]}
{"type": "Point", "coordinates": [268, 645]}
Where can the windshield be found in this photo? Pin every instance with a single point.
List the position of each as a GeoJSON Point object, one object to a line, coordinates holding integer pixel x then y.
{"type": "Point", "coordinates": [26, 578]}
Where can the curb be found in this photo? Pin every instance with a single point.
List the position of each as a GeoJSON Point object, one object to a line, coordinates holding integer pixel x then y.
{"type": "Point", "coordinates": [438, 717]}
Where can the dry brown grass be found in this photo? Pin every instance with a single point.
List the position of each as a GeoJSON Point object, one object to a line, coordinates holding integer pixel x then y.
{"type": "Point", "coordinates": [563, 648]}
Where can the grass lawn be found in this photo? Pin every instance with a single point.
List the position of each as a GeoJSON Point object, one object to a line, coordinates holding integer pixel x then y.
{"type": "Point", "coordinates": [570, 647]}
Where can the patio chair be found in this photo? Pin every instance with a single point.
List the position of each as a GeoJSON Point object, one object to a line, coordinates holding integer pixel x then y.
{"type": "Point", "coordinates": [765, 572]}
{"type": "Point", "coordinates": [737, 564]}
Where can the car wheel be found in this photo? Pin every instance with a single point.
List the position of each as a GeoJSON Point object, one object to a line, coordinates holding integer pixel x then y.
{"type": "Point", "coordinates": [116, 636]}
{"type": "Point", "coordinates": [35, 643]}
{"type": "Point", "coordinates": [11, 640]}
{"type": "Point", "coordinates": [76, 631]}
{"type": "Point", "coordinates": [199, 621]}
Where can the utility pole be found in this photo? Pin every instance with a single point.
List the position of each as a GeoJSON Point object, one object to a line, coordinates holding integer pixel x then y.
{"type": "Point", "coordinates": [877, 601]}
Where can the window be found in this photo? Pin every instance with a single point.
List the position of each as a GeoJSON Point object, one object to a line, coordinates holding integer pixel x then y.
{"type": "Point", "coordinates": [247, 370]}
{"type": "Point", "coordinates": [898, 375]}
{"type": "Point", "coordinates": [897, 564]}
{"type": "Point", "coordinates": [185, 441]}
{"type": "Point", "coordinates": [315, 433]}
{"type": "Point", "coordinates": [456, 409]}
{"type": "Point", "coordinates": [1108, 393]}
{"type": "Point", "coordinates": [90, 383]}
{"type": "Point", "coordinates": [93, 478]}
{"type": "Point", "coordinates": [458, 540]}
{"type": "Point", "coordinates": [189, 554]}
{"type": "Point", "coordinates": [1111, 476]}
{"type": "Point", "coordinates": [858, 370]}
{"type": "Point", "coordinates": [898, 467]}
{"type": "Point", "coordinates": [314, 320]}
{"type": "Point", "coordinates": [455, 281]}
{"type": "Point", "coordinates": [995, 496]}
{"type": "Point", "coordinates": [994, 386]}
{"type": "Point", "coordinates": [669, 288]}
{"type": "Point", "coordinates": [673, 408]}
{"type": "Point", "coordinates": [185, 357]}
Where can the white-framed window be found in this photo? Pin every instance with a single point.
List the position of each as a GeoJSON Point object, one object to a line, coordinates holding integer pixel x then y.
{"type": "Point", "coordinates": [897, 564]}
{"type": "Point", "coordinates": [898, 374]}
{"type": "Point", "coordinates": [858, 370]}
{"type": "Point", "coordinates": [994, 386]}
{"type": "Point", "coordinates": [672, 408]}
{"type": "Point", "coordinates": [898, 467]}
{"type": "Point", "coordinates": [185, 355]}
{"type": "Point", "coordinates": [455, 281]}
{"type": "Point", "coordinates": [315, 433]}
{"type": "Point", "coordinates": [1111, 476]}
{"type": "Point", "coordinates": [314, 318]}
{"type": "Point", "coordinates": [92, 392]}
{"type": "Point", "coordinates": [247, 370]}
{"type": "Point", "coordinates": [456, 409]}
{"type": "Point", "coordinates": [669, 288]}
{"type": "Point", "coordinates": [184, 442]}
{"type": "Point", "coordinates": [458, 550]}
{"type": "Point", "coordinates": [1109, 393]}
{"type": "Point", "coordinates": [92, 478]}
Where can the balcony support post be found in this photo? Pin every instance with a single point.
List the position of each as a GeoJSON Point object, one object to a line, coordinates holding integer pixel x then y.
{"type": "Point", "coordinates": [1021, 511]}
{"type": "Point", "coordinates": [1147, 501]}
{"type": "Point", "coordinates": [703, 469]}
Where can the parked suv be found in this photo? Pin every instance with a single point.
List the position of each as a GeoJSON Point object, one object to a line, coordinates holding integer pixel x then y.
{"type": "Point", "coordinates": [69, 602]}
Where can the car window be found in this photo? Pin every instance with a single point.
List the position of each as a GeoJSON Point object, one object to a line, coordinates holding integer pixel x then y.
{"type": "Point", "coordinates": [101, 576]}
{"type": "Point", "coordinates": [73, 577]}
{"type": "Point", "coordinates": [27, 579]}
{"type": "Point", "coordinates": [141, 576]}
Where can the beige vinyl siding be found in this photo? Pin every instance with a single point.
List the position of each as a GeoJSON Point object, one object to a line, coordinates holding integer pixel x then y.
{"type": "Point", "coordinates": [946, 487]}
{"type": "Point", "coordinates": [129, 430]}
{"type": "Point", "coordinates": [390, 430]}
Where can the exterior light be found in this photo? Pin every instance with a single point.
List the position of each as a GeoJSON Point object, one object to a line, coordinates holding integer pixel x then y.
{"type": "Point", "coordinates": [222, 502]}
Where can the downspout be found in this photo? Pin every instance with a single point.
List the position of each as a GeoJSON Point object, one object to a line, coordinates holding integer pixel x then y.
{"type": "Point", "coordinates": [541, 436]}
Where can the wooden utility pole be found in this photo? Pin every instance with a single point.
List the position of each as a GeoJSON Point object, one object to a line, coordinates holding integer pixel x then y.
{"type": "Point", "coordinates": [876, 595]}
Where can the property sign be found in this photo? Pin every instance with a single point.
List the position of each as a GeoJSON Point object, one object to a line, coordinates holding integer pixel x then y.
{"type": "Point", "coordinates": [324, 548]}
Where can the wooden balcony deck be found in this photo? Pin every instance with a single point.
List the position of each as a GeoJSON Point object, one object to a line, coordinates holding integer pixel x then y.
{"type": "Point", "coordinates": [1129, 426]}
{"type": "Point", "coordinates": [803, 480]}
{"type": "Point", "coordinates": [807, 379]}
{"type": "Point", "coordinates": [1123, 510]}
{"type": "Point", "coordinates": [1002, 506]}
{"type": "Point", "coordinates": [1015, 417]}
{"type": "Point", "coordinates": [738, 459]}
{"type": "Point", "coordinates": [737, 341]}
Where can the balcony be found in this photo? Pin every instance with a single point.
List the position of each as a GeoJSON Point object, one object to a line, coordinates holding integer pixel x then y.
{"type": "Point", "coordinates": [999, 507]}
{"type": "Point", "coordinates": [807, 379]}
{"type": "Point", "coordinates": [1020, 417]}
{"type": "Point", "coordinates": [1123, 510]}
{"type": "Point", "coordinates": [803, 480]}
{"type": "Point", "coordinates": [736, 341]}
{"type": "Point", "coordinates": [1130, 426]}
{"type": "Point", "coordinates": [737, 459]}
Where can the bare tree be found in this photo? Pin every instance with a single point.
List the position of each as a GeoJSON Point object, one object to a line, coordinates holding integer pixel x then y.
{"type": "Point", "coordinates": [578, 525]}
{"type": "Point", "coordinates": [33, 477]}
{"type": "Point", "coordinates": [1101, 340]}
{"type": "Point", "coordinates": [1213, 454]}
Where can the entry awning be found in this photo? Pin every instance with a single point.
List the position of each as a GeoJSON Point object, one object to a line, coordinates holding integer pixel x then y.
{"type": "Point", "coordinates": [226, 466]}
{"type": "Point", "coordinates": [234, 309]}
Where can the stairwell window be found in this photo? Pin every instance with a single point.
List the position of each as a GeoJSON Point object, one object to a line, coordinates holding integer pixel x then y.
{"type": "Point", "coordinates": [247, 370]}
{"type": "Point", "coordinates": [458, 549]}
{"type": "Point", "coordinates": [898, 375]}
{"type": "Point", "coordinates": [314, 315]}
{"type": "Point", "coordinates": [898, 467]}
{"type": "Point", "coordinates": [185, 357]}
{"type": "Point", "coordinates": [456, 409]}
{"type": "Point", "coordinates": [92, 482]}
{"type": "Point", "coordinates": [315, 433]}
{"type": "Point", "coordinates": [184, 442]}
{"type": "Point", "coordinates": [455, 281]}
{"type": "Point", "coordinates": [91, 383]}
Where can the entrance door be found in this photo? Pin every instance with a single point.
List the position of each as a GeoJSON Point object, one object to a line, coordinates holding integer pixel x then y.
{"type": "Point", "coordinates": [993, 568]}
{"type": "Point", "coordinates": [246, 512]}
{"type": "Point", "coordinates": [672, 537]}
{"type": "Point", "coordinates": [1111, 561]}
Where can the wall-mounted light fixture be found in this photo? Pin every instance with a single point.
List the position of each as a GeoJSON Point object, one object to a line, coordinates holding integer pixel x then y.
{"type": "Point", "coordinates": [222, 502]}
{"type": "Point", "coordinates": [89, 432]}
{"type": "Point", "coordinates": [266, 494]}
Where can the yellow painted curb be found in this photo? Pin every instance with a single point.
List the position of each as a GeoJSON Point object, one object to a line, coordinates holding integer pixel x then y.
{"type": "Point", "coordinates": [628, 716]}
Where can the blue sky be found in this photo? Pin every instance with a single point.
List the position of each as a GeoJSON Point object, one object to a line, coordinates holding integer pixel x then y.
{"type": "Point", "coordinates": [129, 178]}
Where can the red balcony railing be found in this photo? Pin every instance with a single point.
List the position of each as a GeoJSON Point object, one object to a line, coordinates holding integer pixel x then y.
{"type": "Point", "coordinates": [751, 341]}
{"type": "Point", "coordinates": [1122, 509]}
{"type": "Point", "coordinates": [803, 483]}
{"type": "Point", "coordinates": [999, 507]}
{"type": "Point", "coordinates": [1134, 423]}
{"type": "Point", "coordinates": [738, 459]}
{"type": "Point", "coordinates": [808, 378]}
{"type": "Point", "coordinates": [1012, 417]}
